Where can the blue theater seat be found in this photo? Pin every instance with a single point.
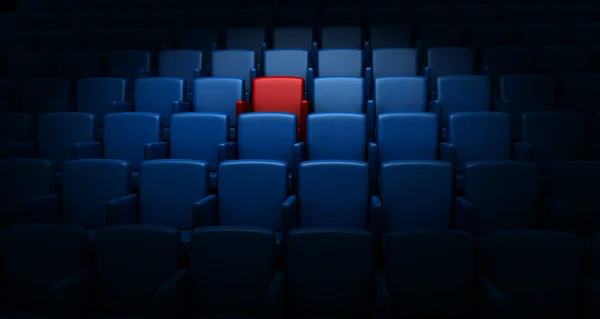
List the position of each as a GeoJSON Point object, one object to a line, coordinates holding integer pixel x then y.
{"type": "Point", "coordinates": [341, 37]}
{"type": "Point", "coordinates": [344, 62]}
{"type": "Point", "coordinates": [23, 179]}
{"type": "Point", "coordinates": [498, 195]}
{"type": "Point", "coordinates": [438, 35]}
{"type": "Point", "coordinates": [553, 265]}
{"type": "Point", "coordinates": [125, 136]}
{"type": "Point", "coordinates": [407, 136]}
{"type": "Point", "coordinates": [443, 61]}
{"type": "Point", "coordinates": [551, 137]}
{"type": "Point", "coordinates": [250, 193]}
{"type": "Point", "coordinates": [397, 94]}
{"type": "Point", "coordinates": [293, 37]}
{"type": "Point", "coordinates": [460, 93]}
{"type": "Point", "coordinates": [134, 275]}
{"type": "Point", "coordinates": [246, 38]}
{"type": "Point", "coordinates": [36, 260]}
{"type": "Point", "coordinates": [161, 95]}
{"type": "Point", "coordinates": [395, 62]}
{"type": "Point", "coordinates": [169, 189]}
{"type": "Point", "coordinates": [339, 136]}
{"type": "Point", "coordinates": [183, 64]}
{"type": "Point", "coordinates": [43, 95]}
{"type": "Point", "coordinates": [431, 273]}
{"type": "Point", "coordinates": [329, 272]}
{"type": "Point", "coordinates": [507, 60]}
{"type": "Point", "coordinates": [339, 94]}
{"type": "Point", "coordinates": [520, 94]}
{"type": "Point", "coordinates": [570, 202]}
{"type": "Point", "coordinates": [129, 65]}
{"type": "Point", "coordinates": [424, 203]}
{"type": "Point", "coordinates": [336, 194]}
{"type": "Point", "coordinates": [233, 272]}
{"type": "Point", "coordinates": [477, 136]}
{"type": "Point", "coordinates": [87, 186]}
{"type": "Point", "coordinates": [239, 64]}
{"type": "Point", "coordinates": [266, 136]}
{"type": "Point", "coordinates": [289, 62]}
{"type": "Point", "coordinates": [194, 136]}
{"type": "Point", "coordinates": [220, 95]}
{"type": "Point", "coordinates": [95, 96]}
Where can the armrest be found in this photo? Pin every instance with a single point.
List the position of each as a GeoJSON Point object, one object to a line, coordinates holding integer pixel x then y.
{"type": "Point", "coordinates": [367, 52]}
{"type": "Point", "coordinates": [171, 297]}
{"type": "Point", "coordinates": [120, 107]}
{"type": "Point", "coordinates": [373, 160]}
{"type": "Point", "coordinates": [383, 302]}
{"type": "Point", "coordinates": [448, 153]}
{"type": "Point", "coordinates": [122, 210]}
{"type": "Point", "coordinates": [59, 106]}
{"type": "Point", "coordinates": [370, 111]}
{"type": "Point", "coordinates": [18, 150]}
{"type": "Point", "coordinates": [298, 156]}
{"type": "Point", "coordinates": [181, 107]}
{"type": "Point", "coordinates": [436, 107]}
{"type": "Point", "coordinates": [595, 151]}
{"type": "Point", "coordinates": [156, 150]}
{"type": "Point", "coordinates": [227, 151]}
{"type": "Point", "coordinates": [43, 209]}
{"type": "Point", "coordinates": [558, 216]}
{"type": "Point", "coordinates": [87, 150]}
{"type": "Point", "coordinates": [368, 83]}
{"type": "Point", "coordinates": [501, 106]}
{"type": "Point", "coordinates": [463, 214]}
{"type": "Point", "coordinates": [289, 213]}
{"type": "Point", "coordinates": [492, 302]}
{"type": "Point", "coordinates": [314, 52]}
{"type": "Point", "coordinates": [375, 216]}
{"type": "Point", "coordinates": [205, 212]}
{"type": "Point", "coordinates": [591, 298]}
{"type": "Point", "coordinates": [253, 74]}
{"type": "Point", "coordinates": [427, 75]}
{"type": "Point", "coordinates": [302, 120]}
{"type": "Point", "coordinates": [242, 107]}
{"type": "Point", "coordinates": [274, 296]}
{"type": "Point", "coordinates": [523, 152]}
{"type": "Point", "coordinates": [72, 296]}
{"type": "Point", "coordinates": [310, 78]}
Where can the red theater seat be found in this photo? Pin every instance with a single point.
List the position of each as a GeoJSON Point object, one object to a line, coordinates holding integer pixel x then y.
{"type": "Point", "coordinates": [278, 94]}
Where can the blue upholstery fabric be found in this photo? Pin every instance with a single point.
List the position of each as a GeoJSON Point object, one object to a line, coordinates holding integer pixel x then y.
{"type": "Point", "coordinates": [341, 37]}
{"type": "Point", "coordinates": [180, 64]}
{"type": "Point", "coordinates": [462, 93]}
{"type": "Point", "coordinates": [58, 132]}
{"type": "Point", "coordinates": [526, 93]}
{"type": "Point", "coordinates": [395, 62]}
{"type": "Point", "coordinates": [536, 271]}
{"type": "Point", "coordinates": [231, 269]}
{"type": "Point", "coordinates": [449, 61]}
{"type": "Point", "coordinates": [340, 62]}
{"type": "Point", "coordinates": [416, 195]}
{"type": "Point", "coordinates": [267, 136]}
{"type": "Point", "coordinates": [156, 95]}
{"type": "Point", "coordinates": [400, 94]}
{"type": "Point", "coordinates": [251, 193]}
{"type": "Point", "coordinates": [300, 38]}
{"type": "Point", "coordinates": [218, 95]}
{"type": "Point", "coordinates": [233, 63]}
{"type": "Point", "coordinates": [286, 63]}
{"type": "Point", "coordinates": [329, 272]}
{"type": "Point", "coordinates": [505, 195]}
{"type": "Point", "coordinates": [125, 135]}
{"type": "Point", "coordinates": [168, 190]}
{"type": "Point", "coordinates": [407, 136]}
{"type": "Point", "coordinates": [35, 257]}
{"type": "Point", "coordinates": [339, 94]}
{"type": "Point", "coordinates": [430, 273]}
{"type": "Point", "coordinates": [196, 136]}
{"type": "Point", "coordinates": [86, 187]}
{"type": "Point", "coordinates": [479, 136]}
{"type": "Point", "coordinates": [390, 36]}
{"type": "Point", "coordinates": [127, 64]}
{"type": "Point", "coordinates": [22, 179]}
{"type": "Point", "coordinates": [336, 136]}
{"type": "Point", "coordinates": [333, 193]}
{"type": "Point", "coordinates": [95, 94]}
